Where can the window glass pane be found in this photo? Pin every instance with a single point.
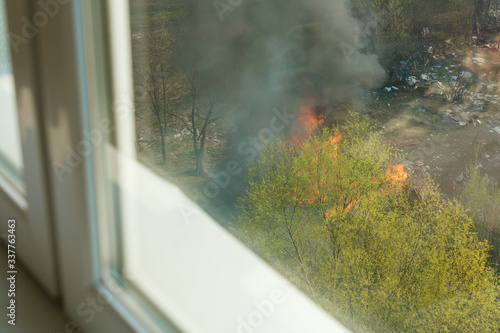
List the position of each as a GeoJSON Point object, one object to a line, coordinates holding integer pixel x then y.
{"type": "Point", "coordinates": [10, 141]}
{"type": "Point", "coordinates": [353, 145]}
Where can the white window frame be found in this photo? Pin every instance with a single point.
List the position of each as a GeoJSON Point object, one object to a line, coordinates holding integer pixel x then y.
{"type": "Point", "coordinates": [30, 206]}
{"type": "Point", "coordinates": [75, 74]}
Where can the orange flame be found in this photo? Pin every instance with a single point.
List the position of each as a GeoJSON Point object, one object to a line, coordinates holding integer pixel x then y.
{"type": "Point", "coordinates": [315, 193]}
{"type": "Point", "coordinates": [396, 174]}
{"type": "Point", "coordinates": [333, 213]}
{"type": "Point", "coordinates": [334, 140]}
{"type": "Point", "coordinates": [396, 177]}
{"type": "Point", "coordinates": [307, 122]}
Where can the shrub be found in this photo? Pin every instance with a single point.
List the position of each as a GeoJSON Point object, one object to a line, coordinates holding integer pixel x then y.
{"type": "Point", "coordinates": [481, 197]}
{"type": "Point", "coordinates": [333, 214]}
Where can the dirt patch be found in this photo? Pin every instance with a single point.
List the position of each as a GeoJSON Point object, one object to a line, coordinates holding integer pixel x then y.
{"type": "Point", "coordinates": [439, 134]}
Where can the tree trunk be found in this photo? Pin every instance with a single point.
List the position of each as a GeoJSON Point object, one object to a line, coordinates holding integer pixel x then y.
{"type": "Point", "coordinates": [203, 134]}
{"type": "Point", "coordinates": [162, 136]}
{"type": "Point", "coordinates": [200, 156]}
{"type": "Point", "coordinates": [487, 15]}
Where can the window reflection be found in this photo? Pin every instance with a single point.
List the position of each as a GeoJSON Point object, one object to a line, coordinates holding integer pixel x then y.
{"type": "Point", "coordinates": [10, 141]}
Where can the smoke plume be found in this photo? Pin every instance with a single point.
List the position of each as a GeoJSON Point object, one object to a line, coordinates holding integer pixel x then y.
{"type": "Point", "coordinates": [269, 53]}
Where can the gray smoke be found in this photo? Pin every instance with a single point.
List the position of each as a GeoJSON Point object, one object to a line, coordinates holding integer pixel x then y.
{"type": "Point", "coordinates": [276, 55]}
{"type": "Point", "coordinates": [272, 52]}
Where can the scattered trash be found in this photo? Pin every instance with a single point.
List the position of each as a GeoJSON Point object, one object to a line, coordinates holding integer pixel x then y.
{"type": "Point", "coordinates": [497, 129]}
{"type": "Point", "coordinates": [425, 31]}
{"type": "Point", "coordinates": [477, 60]}
{"type": "Point", "coordinates": [429, 50]}
{"type": "Point", "coordinates": [462, 123]}
{"type": "Point", "coordinates": [412, 80]}
{"type": "Point", "coordinates": [395, 88]}
{"type": "Point", "coordinates": [460, 178]}
{"type": "Point", "coordinates": [465, 74]}
{"type": "Point", "coordinates": [404, 67]}
{"type": "Point", "coordinates": [405, 72]}
{"type": "Point", "coordinates": [454, 77]}
{"type": "Point", "coordinates": [177, 136]}
{"type": "Point", "coordinates": [487, 156]}
{"type": "Point", "coordinates": [387, 89]}
{"type": "Point", "coordinates": [425, 77]}
{"type": "Point", "coordinates": [494, 102]}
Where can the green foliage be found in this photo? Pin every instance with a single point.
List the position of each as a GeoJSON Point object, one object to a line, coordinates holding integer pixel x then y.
{"type": "Point", "coordinates": [391, 15]}
{"type": "Point", "coordinates": [393, 28]}
{"type": "Point", "coordinates": [332, 214]}
{"type": "Point", "coordinates": [397, 18]}
{"type": "Point", "coordinates": [481, 197]}
{"type": "Point", "coordinates": [413, 266]}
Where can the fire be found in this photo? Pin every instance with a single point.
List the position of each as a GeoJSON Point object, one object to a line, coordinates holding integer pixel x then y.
{"type": "Point", "coordinates": [334, 140]}
{"type": "Point", "coordinates": [307, 122]}
{"type": "Point", "coordinates": [395, 179]}
{"type": "Point", "coordinates": [334, 212]}
{"type": "Point", "coordinates": [397, 175]}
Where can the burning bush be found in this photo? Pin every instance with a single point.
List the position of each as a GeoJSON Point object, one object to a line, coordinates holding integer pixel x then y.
{"type": "Point", "coordinates": [334, 215]}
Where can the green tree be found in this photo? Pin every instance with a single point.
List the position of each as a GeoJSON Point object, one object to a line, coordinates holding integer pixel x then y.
{"type": "Point", "coordinates": [486, 15]}
{"type": "Point", "coordinates": [154, 76]}
{"type": "Point", "coordinates": [334, 216]}
{"type": "Point", "coordinates": [481, 197]}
